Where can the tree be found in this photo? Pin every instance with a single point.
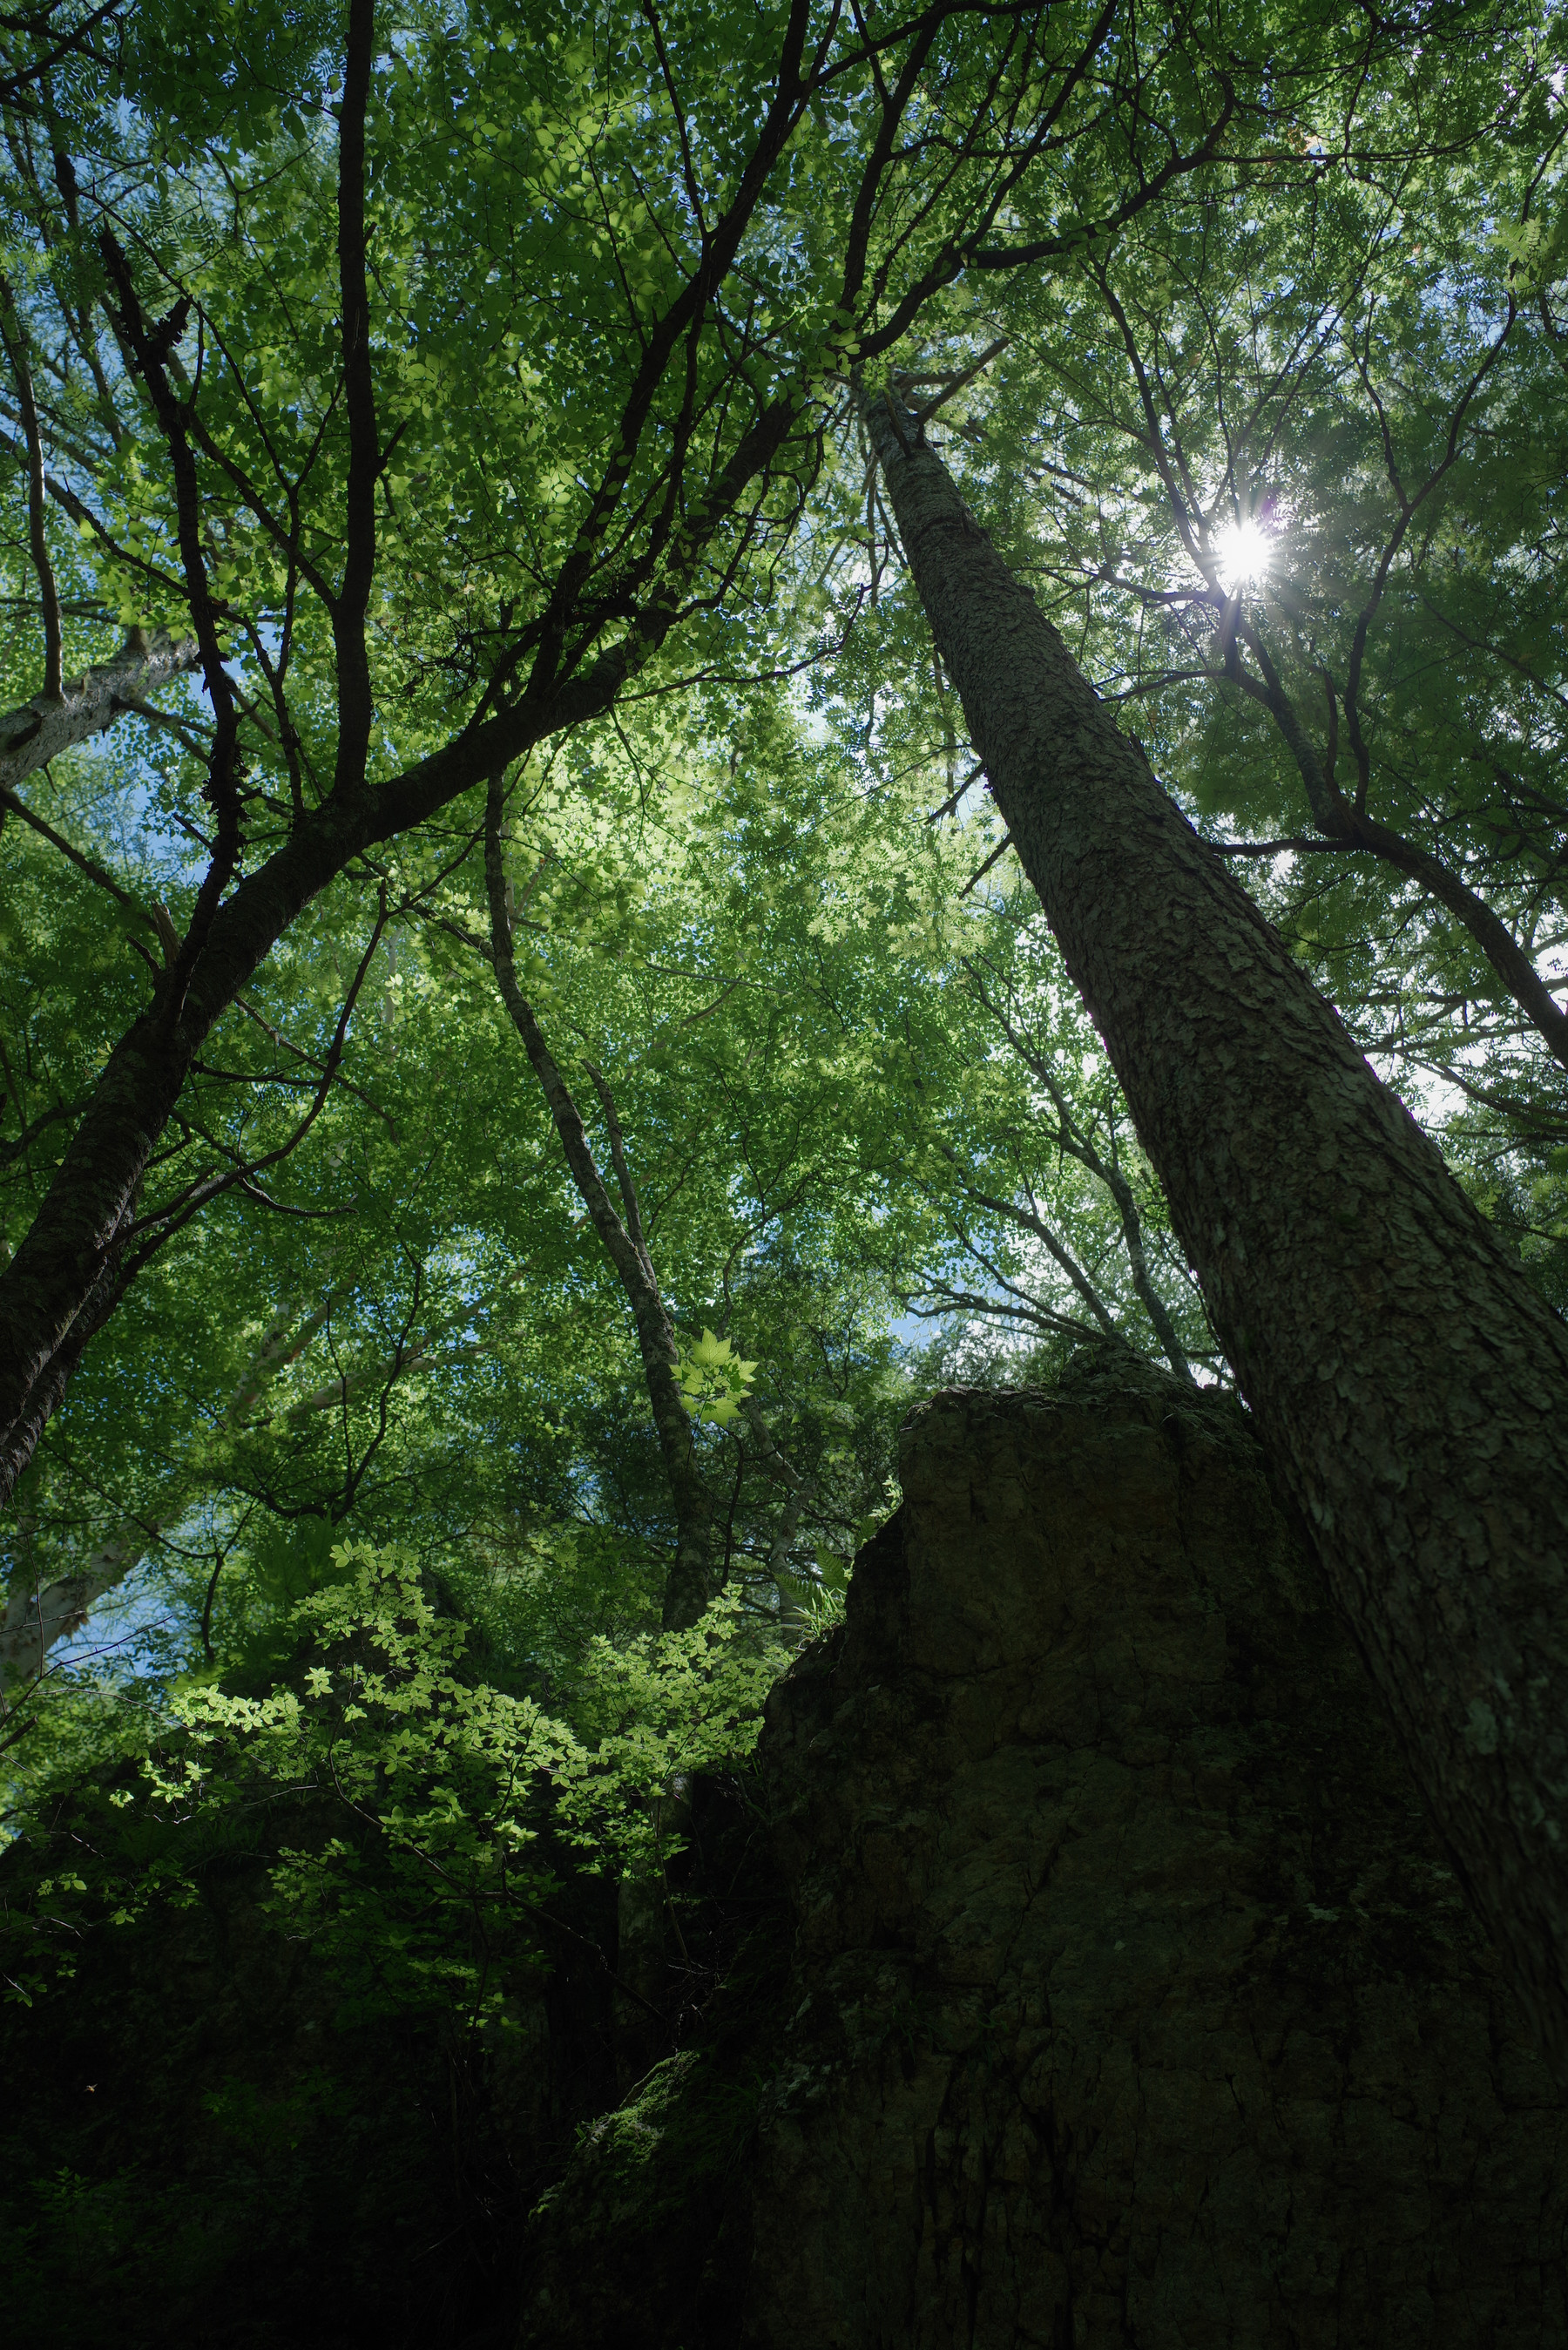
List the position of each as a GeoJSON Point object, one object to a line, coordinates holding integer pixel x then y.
{"type": "Point", "coordinates": [38, 46]}
{"type": "Point", "coordinates": [302, 491]}
{"type": "Point", "coordinates": [649, 997]}
{"type": "Point", "coordinates": [1409, 1382]}
{"type": "Point", "coordinates": [689, 1586]}
{"type": "Point", "coordinates": [1287, 476]}
{"type": "Point", "coordinates": [433, 1348]}
{"type": "Point", "coordinates": [311, 503]}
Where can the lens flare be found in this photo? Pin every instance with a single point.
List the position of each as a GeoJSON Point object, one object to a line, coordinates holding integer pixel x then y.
{"type": "Point", "coordinates": [1243, 551]}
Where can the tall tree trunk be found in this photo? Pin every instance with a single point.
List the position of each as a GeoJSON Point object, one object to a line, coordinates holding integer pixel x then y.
{"type": "Point", "coordinates": [1409, 1384]}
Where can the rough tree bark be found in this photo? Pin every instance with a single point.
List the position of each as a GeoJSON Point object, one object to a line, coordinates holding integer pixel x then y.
{"type": "Point", "coordinates": [1409, 1384]}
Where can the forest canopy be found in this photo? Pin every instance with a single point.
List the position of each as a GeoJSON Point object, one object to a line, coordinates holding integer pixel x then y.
{"type": "Point", "coordinates": [526, 1041]}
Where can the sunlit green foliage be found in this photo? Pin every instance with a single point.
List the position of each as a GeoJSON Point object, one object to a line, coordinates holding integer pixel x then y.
{"type": "Point", "coordinates": [1352, 354]}
{"type": "Point", "coordinates": [401, 1793]}
{"type": "Point", "coordinates": [360, 1481]}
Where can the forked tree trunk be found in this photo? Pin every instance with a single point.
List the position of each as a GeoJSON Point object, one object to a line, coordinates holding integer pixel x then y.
{"type": "Point", "coordinates": [1409, 1384]}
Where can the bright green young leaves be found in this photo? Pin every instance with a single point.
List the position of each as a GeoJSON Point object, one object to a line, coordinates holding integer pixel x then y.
{"type": "Point", "coordinates": [856, 1094]}
{"type": "Point", "coordinates": [714, 1380]}
{"type": "Point", "coordinates": [401, 1795]}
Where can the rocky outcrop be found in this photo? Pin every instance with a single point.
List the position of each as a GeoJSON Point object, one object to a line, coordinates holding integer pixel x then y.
{"type": "Point", "coordinates": [1132, 2004]}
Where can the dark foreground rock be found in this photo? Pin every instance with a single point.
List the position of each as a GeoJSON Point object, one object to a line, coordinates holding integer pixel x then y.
{"type": "Point", "coordinates": [1131, 2005]}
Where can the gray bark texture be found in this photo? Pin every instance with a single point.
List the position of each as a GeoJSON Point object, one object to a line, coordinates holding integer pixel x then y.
{"type": "Point", "coordinates": [41, 729]}
{"type": "Point", "coordinates": [1409, 1385]}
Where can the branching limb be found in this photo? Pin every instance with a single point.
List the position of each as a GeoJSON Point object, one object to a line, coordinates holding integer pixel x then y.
{"type": "Point", "coordinates": [1077, 1144]}
{"type": "Point", "coordinates": [1352, 828]}
{"type": "Point", "coordinates": [162, 1223]}
{"type": "Point", "coordinates": [151, 348]}
{"type": "Point", "coordinates": [1024, 1219]}
{"type": "Point", "coordinates": [349, 605]}
{"type": "Point", "coordinates": [618, 1161]}
{"type": "Point", "coordinates": [85, 865]}
{"type": "Point", "coordinates": [41, 729]}
{"type": "Point", "coordinates": [997, 854]}
{"type": "Point", "coordinates": [38, 1617]}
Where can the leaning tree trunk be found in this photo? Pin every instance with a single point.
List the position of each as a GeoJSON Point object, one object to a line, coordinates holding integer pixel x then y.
{"type": "Point", "coordinates": [1410, 1385]}
{"type": "Point", "coordinates": [689, 1584]}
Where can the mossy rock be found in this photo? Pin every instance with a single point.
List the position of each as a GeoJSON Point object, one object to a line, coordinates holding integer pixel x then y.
{"type": "Point", "coordinates": [645, 2243]}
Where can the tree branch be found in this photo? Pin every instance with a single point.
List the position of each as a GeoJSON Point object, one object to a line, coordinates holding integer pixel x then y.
{"type": "Point", "coordinates": [15, 336]}
{"type": "Point", "coordinates": [687, 1590]}
{"type": "Point", "coordinates": [41, 729]}
{"type": "Point", "coordinates": [355, 709]}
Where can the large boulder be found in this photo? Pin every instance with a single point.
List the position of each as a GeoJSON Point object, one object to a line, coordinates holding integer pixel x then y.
{"type": "Point", "coordinates": [1136, 2002]}
{"type": "Point", "coordinates": [1132, 2004]}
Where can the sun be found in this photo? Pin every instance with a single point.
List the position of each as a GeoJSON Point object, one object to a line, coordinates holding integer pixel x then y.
{"type": "Point", "coordinates": [1243, 551]}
